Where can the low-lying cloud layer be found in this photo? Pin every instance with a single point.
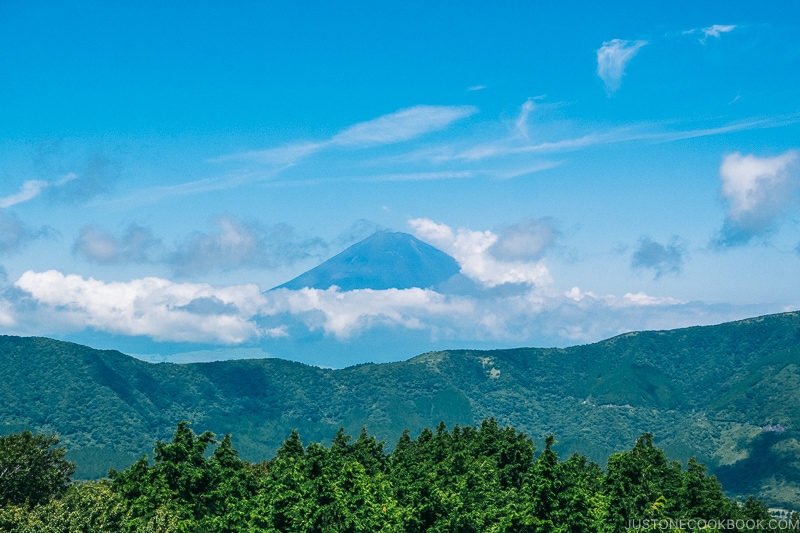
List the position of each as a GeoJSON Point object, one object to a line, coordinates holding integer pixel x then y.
{"type": "Point", "coordinates": [514, 300]}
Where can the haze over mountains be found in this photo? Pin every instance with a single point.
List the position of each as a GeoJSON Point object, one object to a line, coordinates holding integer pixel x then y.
{"type": "Point", "coordinates": [727, 394]}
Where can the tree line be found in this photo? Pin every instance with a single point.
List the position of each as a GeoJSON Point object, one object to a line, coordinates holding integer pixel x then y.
{"type": "Point", "coordinates": [477, 479]}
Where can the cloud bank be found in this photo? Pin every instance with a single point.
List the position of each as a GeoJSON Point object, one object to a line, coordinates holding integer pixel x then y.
{"type": "Point", "coordinates": [513, 300]}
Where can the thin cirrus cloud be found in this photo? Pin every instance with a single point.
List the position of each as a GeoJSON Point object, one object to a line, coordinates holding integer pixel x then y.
{"type": "Point", "coordinates": [31, 189]}
{"type": "Point", "coordinates": [612, 58]}
{"type": "Point", "coordinates": [402, 125]}
{"type": "Point", "coordinates": [757, 192]}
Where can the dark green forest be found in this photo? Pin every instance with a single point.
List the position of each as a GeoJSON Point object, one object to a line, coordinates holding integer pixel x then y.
{"type": "Point", "coordinates": [474, 479]}
{"type": "Point", "coordinates": [726, 394]}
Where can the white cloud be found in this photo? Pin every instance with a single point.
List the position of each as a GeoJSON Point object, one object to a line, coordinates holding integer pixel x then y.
{"type": "Point", "coordinates": [31, 189]}
{"type": "Point", "coordinates": [152, 307]}
{"type": "Point", "coordinates": [345, 313]}
{"type": "Point", "coordinates": [402, 125]}
{"type": "Point", "coordinates": [757, 191]}
{"type": "Point", "coordinates": [640, 299]}
{"type": "Point", "coordinates": [522, 120]}
{"type": "Point", "coordinates": [472, 251]}
{"type": "Point", "coordinates": [717, 29]}
{"type": "Point", "coordinates": [199, 313]}
{"type": "Point", "coordinates": [612, 58]}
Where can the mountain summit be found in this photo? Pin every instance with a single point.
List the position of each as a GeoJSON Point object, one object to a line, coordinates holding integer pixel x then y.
{"type": "Point", "coordinates": [384, 260]}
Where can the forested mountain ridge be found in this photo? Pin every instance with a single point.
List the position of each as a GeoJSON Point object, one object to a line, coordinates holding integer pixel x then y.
{"type": "Point", "coordinates": [727, 394]}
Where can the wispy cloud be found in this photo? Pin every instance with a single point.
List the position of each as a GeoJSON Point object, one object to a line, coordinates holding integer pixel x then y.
{"type": "Point", "coordinates": [522, 120]}
{"type": "Point", "coordinates": [757, 191]}
{"type": "Point", "coordinates": [612, 58]}
{"type": "Point", "coordinates": [717, 29]}
{"type": "Point", "coordinates": [402, 125]}
{"type": "Point", "coordinates": [476, 88]}
{"type": "Point", "coordinates": [656, 133]}
{"type": "Point", "coordinates": [31, 189]}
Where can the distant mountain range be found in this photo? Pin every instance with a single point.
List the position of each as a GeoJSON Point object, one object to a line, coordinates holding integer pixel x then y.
{"type": "Point", "coordinates": [385, 260]}
{"type": "Point", "coordinates": [727, 394]}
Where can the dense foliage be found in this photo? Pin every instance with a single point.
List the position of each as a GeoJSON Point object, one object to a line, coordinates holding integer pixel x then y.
{"type": "Point", "coordinates": [32, 468]}
{"type": "Point", "coordinates": [727, 394]}
{"type": "Point", "coordinates": [469, 479]}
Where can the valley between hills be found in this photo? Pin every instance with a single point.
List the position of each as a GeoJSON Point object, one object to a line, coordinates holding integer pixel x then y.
{"type": "Point", "coordinates": [727, 394]}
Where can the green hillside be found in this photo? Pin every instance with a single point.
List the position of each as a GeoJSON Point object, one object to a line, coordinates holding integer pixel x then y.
{"type": "Point", "coordinates": [727, 394]}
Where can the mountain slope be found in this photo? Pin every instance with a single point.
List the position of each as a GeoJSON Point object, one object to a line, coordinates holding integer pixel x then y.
{"type": "Point", "coordinates": [384, 260]}
{"type": "Point", "coordinates": [727, 394]}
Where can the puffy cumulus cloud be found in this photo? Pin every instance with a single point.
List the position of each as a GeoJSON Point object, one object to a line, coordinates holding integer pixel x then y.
{"type": "Point", "coordinates": [237, 243]}
{"type": "Point", "coordinates": [136, 245]}
{"type": "Point", "coordinates": [473, 250]}
{"type": "Point", "coordinates": [612, 58]}
{"type": "Point", "coordinates": [757, 191]}
{"type": "Point", "coordinates": [660, 258]}
{"type": "Point", "coordinates": [344, 313]}
{"type": "Point", "coordinates": [152, 307]}
{"type": "Point", "coordinates": [14, 234]}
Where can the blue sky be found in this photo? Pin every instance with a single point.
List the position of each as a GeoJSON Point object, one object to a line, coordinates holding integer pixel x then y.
{"type": "Point", "coordinates": [594, 169]}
